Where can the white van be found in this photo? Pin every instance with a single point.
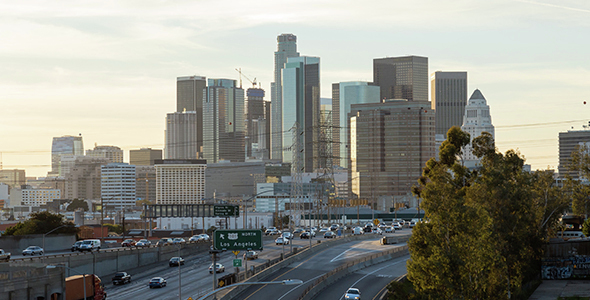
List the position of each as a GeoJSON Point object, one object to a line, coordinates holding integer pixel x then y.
{"type": "Point", "coordinates": [89, 245]}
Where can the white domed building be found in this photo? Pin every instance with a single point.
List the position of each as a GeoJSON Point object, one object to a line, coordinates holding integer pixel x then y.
{"type": "Point", "coordinates": [476, 120]}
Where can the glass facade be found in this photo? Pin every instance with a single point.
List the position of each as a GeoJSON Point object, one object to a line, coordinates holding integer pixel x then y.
{"type": "Point", "coordinates": [65, 145]}
{"type": "Point", "coordinates": [448, 97]}
{"type": "Point", "coordinates": [402, 77]}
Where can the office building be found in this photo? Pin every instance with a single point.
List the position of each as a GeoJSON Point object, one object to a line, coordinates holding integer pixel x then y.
{"type": "Point", "coordinates": [286, 47]}
{"type": "Point", "coordinates": [233, 179]}
{"type": "Point", "coordinates": [301, 110]}
{"type": "Point", "coordinates": [145, 183]}
{"type": "Point", "coordinates": [28, 196]}
{"type": "Point", "coordinates": [402, 77]}
{"type": "Point", "coordinates": [448, 98]}
{"type": "Point", "coordinates": [569, 142]}
{"type": "Point", "coordinates": [113, 153]}
{"type": "Point", "coordinates": [180, 181]}
{"type": "Point", "coordinates": [390, 143]}
{"type": "Point", "coordinates": [189, 97]}
{"type": "Point", "coordinates": [65, 145]}
{"type": "Point", "coordinates": [83, 181]}
{"type": "Point", "coordinates": [477, 119]}
{"type": "Point", "coordinates": [181, 136]}
{"type": "Point", "coordinates": [118, 185]}
{"type": "Point", "coordinates": [14, 178]}
{"type": "Point", "coordinates": [144, 156]}
{"type": "Point", "coordinates": [224, 127]}
{"type": "Point", "coordinates": [344, 95]}
{"type": "Point", "coordinates": [257, 124]}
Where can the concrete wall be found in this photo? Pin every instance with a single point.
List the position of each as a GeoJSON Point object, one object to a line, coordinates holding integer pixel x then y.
{"type": "Point", "coordinates": [16, 244]}
{"type": "Point", "coordinates": [30, 282]}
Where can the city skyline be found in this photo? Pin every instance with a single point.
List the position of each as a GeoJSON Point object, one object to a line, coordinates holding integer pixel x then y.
{"type": "Point", "coordinates": [100, 71]}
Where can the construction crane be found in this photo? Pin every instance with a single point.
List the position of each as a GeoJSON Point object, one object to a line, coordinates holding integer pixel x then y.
{"type": "Point", "coordinates": [254, 83]}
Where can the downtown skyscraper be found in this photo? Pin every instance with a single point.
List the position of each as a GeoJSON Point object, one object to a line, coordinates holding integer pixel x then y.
{"type": "Point", "coordinates": [449, 98]}
{"type": "Point", "coordinates": [181, 136]}
{"type": "Point", "coordinates": [402, 77]}
{"type": "Point", "coordinates": [189, 97]}
{"type": "Point", "coordinates": [301, 110]}
{"type": "Point", "coordinates": [64, 145]}
{"type": "Point", "coordinates": [224, 127]}
{"type": "Point", "coordinates": [286, 47]}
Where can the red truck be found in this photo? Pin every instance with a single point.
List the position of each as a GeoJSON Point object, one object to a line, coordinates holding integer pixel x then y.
{"type": "Point", "coordinates": [94, 288]}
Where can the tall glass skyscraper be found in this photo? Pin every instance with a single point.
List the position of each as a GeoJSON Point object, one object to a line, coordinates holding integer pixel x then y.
{"type": "Point", "coordinates": [402, 77]}
{"type": "Point", "coordinates": [65, 145]}
{"type": "Point", "coordinates": [345, 94]}
{"type": "Point", "coordinates": [448, 97]}
{"type": "Point", "coordinates": [301, 107]}
{"type": "Point", "coordinates": [286, 47]}
{"type": "Point", "coordinates": [189, 97]}
{"type": "Point", "coordinates": [224, 127]}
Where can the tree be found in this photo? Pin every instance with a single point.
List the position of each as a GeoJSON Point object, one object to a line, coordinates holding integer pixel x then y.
{"type": "Point", "coordinates": [76, 203]}
{"type": "Point", "coordinates": [41, 223]}
{"type": "Point", "coordinates": [485, 227]}
{"type": "Point", "coordinates": [114, 228]}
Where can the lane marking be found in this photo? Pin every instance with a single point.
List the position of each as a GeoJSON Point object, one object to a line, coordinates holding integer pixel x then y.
{"type": "Point", "coordinates": [379, 293]}
{"type": "Point", "coordinates": [395, 263]}
{"type": "Point", "coordinates": [301, 285]}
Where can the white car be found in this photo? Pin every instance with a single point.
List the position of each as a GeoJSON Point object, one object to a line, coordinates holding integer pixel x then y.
{"type": "Point", "coordinates": [205, 237]}
{"type": "Point", "coordinates": [358, 230]}
{"type": "Point", "coordinates": [287, 235]}
{"type": "Point", "coordinates": [32, 250]}
{"type": "Point", "coordinates": [352, 294]}
{"type": "Point", "coordinates": [143, 243]}
{"type": "Point", "coordinates": [178, 241]}
{"type": "Point", "coordinates": [219, 268]}
{"type": "Point", "coordinates": [377, 230]}
{"type": "Point", "coordinates": [389, 229]}
{"type": "Point", "coordinates": [194, 238]}
{"type": "Point", "coordinates": [282, 241]}
{"type": "Point", "coordinates": [396, 226]}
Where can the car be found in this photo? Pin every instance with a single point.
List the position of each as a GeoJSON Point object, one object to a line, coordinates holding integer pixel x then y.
{"type": "Point", "coordinates": [352, 294]}
{"type": "Point", "coordinates": [287, 235]}
{"type": "Point", "coordinates": [312, 232]}
{"type": "Point", "coordinates": [194, 238]}
{"type": "Point", "coordinates": [329, 235]}
{"type": "Point", "coordinates": [269, 230]}
{"type": "Point", "coordinates": [157, 282]}
{"type": "Point", "coordinates": [178, 241]}
{"type": "Point", "coordinates": [205, 237]}
{"type": "Point", "coordinates": [76, 246]}
{"type": "Point", "coordinates": [128, 243]}
{"type": "Point", "coordinates": [377, 231]}
{"type": "Point", "coordinates": [275, 232]}
{"type": "Point", "coordinates": [297, 231]}
{"type": "Point", "coordinates": [389, 229]}
{"type": "Point", "coordinates": [358, 230]}
{"type": "Point", "coordinates": [397, 226]}
{"type": "Point", "coordinates": [251, 255]}
{"type": "Point", "coordinates": [121, 278]}
{"type": "Point", "coordinates": [219, 268]}
{"type": "Point", "coordinates": [305, 235]}
{"type": "Point", "coordinates": [143, 243]}
{"type": "Point", "coordinates": [32, 250]}
{"type": "Point", "coordinates": [334, 227]}
{"type": "Point", "coordinates": [89, 245]}
{"type": "Point", "coordinates": [323, 230]}
{"type": "Point", "coordinates": [282, 241]}
{"type": "Point", "coordinates": [164, 242]}
{"type": "Point", "coordinates": [175, 261]}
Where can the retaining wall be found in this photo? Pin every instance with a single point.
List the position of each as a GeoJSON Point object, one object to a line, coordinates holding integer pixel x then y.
{"type": "Point", "coordinates": [17, 243]}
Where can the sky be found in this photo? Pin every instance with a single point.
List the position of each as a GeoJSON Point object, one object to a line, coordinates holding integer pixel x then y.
{"type": "Point", "coordinates": [107, 69]}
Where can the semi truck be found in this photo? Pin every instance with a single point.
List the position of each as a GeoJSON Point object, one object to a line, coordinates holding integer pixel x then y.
{"type": "Point", "coordinates": [94, 288]}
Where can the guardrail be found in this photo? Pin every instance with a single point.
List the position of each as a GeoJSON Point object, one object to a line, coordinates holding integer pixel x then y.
{"type": "Point", "coordinates": [319, 284]}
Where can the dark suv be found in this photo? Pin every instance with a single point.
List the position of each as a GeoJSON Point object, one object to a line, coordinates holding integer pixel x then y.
{"type": "Point", "coordinates": [121, 278]}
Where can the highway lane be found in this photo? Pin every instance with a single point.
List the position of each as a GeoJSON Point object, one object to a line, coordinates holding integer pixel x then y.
{"type": "Point", "coordinates": [371, 281]}
{"type": "Point", "coordinates": [313, 268]}
{"type": "Point", "coordinates": [195, 277]}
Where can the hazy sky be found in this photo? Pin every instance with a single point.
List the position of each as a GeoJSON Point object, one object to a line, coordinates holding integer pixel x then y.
{"type": "Point", "coordinates": [107, 69]}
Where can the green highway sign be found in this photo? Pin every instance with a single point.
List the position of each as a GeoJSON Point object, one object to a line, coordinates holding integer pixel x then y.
{"type": "Point", "coordinates": [226, 211]}
{"type": "Point", "coordinates": [237, 239]}
{"type": "Point", "coordinates": [237, 262]}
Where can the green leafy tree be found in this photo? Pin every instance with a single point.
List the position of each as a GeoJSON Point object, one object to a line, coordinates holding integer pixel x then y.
{"type": "Point", "coordinates": [41, 223]}
{"type": "Point", "coordinates": [76, 203]}
{"type": "Point", "coordinates": [586, 228]}
{"type": "Point", "coordinates": [114, 228]}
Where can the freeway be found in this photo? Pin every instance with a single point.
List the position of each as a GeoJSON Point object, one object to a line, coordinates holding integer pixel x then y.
{"type": "Point", "coordinates": [313, 268]}
{"type": "Point", "coordinates": [195, 277]}
{"type": "Point", "coordinates": [371, 281]}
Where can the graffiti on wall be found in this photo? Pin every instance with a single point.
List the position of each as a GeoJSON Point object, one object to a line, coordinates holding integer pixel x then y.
{"type": "Point", "coordinates": [573, 267]}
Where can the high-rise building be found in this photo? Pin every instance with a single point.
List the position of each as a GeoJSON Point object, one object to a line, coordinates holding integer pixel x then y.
{"type": "Point", "coordinates": [181, 136]}
{"type": "Point", "coordinates": [118, 185]}
{"type": "Point", "coordinates": [113, 153]}
{"type": "Point", "coordinates": [448, 97]}
{"type": "Point", "coordinates": [390, 143]}
{"type": "Point", "coordinates": [286, 47]}
{"type": "Point", "coordinates": [344, 95]}
{"type": "Point", "coordinates": [301, 107]}
{"type": "Point", "coordinates": [477, 119]}
{"type": "Point", "coordinates": [14, 178]}
{"type": "Point", "coordinates": [145, 186]}
{"type": "Point", "coordinates": [65, 145]}
{"type": "Point", "coordinates": [144, 156]}
{"type": "Point", "coordinates": [180, 181]}
{"type": "Point", "coordinates": [83, 181]}
{"type": "Point", "coordinates": [189, 97]}
{"type": "Point", "coordinates": [224, 128]}
{"type": "Point", "coordinates": [258, 126]}
{"type": "Point", "coordinates": [569, 142]}
{"type": "Point", "coordinates": [402, 77]}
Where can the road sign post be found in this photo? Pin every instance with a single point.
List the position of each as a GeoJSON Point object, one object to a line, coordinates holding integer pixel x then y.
{"type": "Point", "coordinates": [237, 262]}
{"type": "Point", "coordinates": [237, 239]}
